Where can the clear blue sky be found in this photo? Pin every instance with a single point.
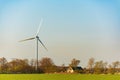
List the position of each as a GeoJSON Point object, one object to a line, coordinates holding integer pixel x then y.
{"type": "Point", "coordinates": [78, 29]}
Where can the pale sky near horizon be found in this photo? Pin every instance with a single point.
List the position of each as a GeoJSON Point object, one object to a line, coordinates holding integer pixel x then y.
{"type": "Point", "coordinates": [78, 29]}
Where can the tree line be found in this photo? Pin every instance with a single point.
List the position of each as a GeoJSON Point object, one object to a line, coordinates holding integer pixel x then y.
{"type": "Point", "coordinates": [101, 67]}
{"type": "Point", "coordinates": [46, 65]}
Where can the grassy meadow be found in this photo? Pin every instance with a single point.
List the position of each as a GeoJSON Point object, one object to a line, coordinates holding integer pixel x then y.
{"type": "Point", "coordinates": [58, 77]}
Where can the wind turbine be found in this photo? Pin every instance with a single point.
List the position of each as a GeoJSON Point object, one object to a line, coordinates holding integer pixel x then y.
{"type": "Point", "coordinates": [36, 37]}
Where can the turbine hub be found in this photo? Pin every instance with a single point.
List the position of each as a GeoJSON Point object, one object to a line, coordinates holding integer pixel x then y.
{"type": "Point", "coordinates": [37, 37]}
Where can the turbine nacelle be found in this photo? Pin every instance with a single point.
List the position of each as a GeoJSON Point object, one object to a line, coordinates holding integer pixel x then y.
{"type": "Point", "coordinates": [37, 37]}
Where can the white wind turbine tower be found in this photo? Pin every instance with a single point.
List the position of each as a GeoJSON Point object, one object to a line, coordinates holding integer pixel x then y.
{"type": "Point", "coordinates": [36, 37]}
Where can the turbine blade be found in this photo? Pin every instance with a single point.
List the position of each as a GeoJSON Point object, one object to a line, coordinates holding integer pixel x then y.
{"type": "Point", "coordinates": [42, 44]}
{"type": "Point", "coordinates": [27, 39]}
{"type": "Point", "coordinates": [39, 27]}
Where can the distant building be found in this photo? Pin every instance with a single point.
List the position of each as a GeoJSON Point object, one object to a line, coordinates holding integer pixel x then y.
{"type": "Point", "coordinates": [74, 69]}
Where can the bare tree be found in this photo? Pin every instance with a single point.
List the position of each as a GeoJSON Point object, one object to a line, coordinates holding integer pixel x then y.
{"type": "Point", "coordinates": [115, 66]}
{"type": "Point", "coordinates": [100, 67]}
{"type": "Point", "coordinates": [33, 62]}
{"type": "Point", "coordinates": [91, 64]}
{"type": "Point", "coordinates": [110, 69]}
{"type": "Point", "coordinates": [105, 67]}
{"type": "Point", "coordinates": [74, 62]}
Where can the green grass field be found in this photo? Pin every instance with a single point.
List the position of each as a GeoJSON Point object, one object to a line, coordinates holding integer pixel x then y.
{"type": "Point", "coordinates": [57, 77]}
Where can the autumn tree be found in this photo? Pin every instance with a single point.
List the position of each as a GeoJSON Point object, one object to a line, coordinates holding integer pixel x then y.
{"type": "Point", "coordinates": [61, 68]}
{"type": "Point", "coordinates": [3, 65]}
{"type": "Point", "coordinates": [47, 65]}
{"type": "Point", "coordinates": [18, 66]}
